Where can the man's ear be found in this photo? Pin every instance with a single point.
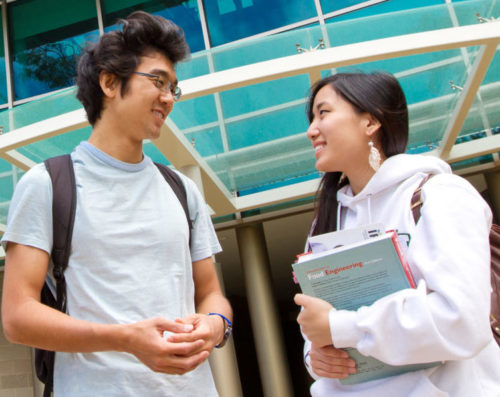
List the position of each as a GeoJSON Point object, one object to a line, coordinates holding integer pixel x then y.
{"type": "Point", "coordinates": [109, 84]}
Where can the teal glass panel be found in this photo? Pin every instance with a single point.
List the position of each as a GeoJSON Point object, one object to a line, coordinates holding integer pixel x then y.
{"type": "Point", "coordinates": [40, 109]}
{"type": "Point", "coordinates": [460, 165]}
{"type": "Point", "coordinates": [266, 48]}
{"type": "Point", "coordinates": [46, 39]}
{"type": "Point", "coordinates": [184, 13]}
{"type": "Point", "coordinates": [230, 20]}
{"type": "Point", "coordinates": [5, 166]}
{"type": "Point", "coordinates": [387, 25]}
{"type": "Point", "coordinates": [207, 142]}
{"type": "Point", "coordinates": [467, 11]}
{"type": "Point", "coordinates": [262, 165]}
{"type": "Point", "coordinates": [264, 95]}
{"type": "Point", "coordinates": [197, 65]}
{"type": "Point", "coordinates": [336, 5]}
{"type": "Point", "coordinates": [7, 185]}
{"type": "Point", "coordinates": [56, 145]}
{"type": "Point", "coordinates": [425, 80]}
{"type": "Point", "coordinates": [267, 127]}
{"type": "Point", "coordinates": [379, 8]}
{"type": "Point", "coordinates": [3, 76]}
{"type": "Point", "coordinates": [9, 175]}
{"type": "Point", "coordinates": [152, 151]}
{"type": "Point", "coordinates": [6, 191]}
{"type": "Point", "coordinates": [194, 112]}
{"type": "Point", "coordinates": [6, 188]}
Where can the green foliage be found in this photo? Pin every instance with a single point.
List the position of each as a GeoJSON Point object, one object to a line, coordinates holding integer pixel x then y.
{"type": "Point", "coordinates": [52, 63]}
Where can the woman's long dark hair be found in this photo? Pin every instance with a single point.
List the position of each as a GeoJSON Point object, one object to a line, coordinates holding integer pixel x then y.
{"type": "Point", "coordinates": [378, 94]}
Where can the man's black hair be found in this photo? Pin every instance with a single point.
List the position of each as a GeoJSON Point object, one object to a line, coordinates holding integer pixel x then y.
{"type": "Point", "coordinates": [119, 52]}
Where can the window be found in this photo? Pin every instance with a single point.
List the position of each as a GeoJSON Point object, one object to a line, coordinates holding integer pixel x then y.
{"type": "Point", "coordinates": [230, 20]}
{"type": "Point", "coordinates": [184, 13]}
{"type": "Point", "coordinates": [3, 77]}
{"type": "Point", "coordinates": [46, 38]}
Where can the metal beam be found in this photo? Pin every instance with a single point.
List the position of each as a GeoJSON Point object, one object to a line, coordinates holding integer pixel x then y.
{"type": "Point", "coordinates": [175, 147]}
{"type": "Point", "coordinates": [180, 152]}
{"type": "Point", "coordinates": [471, 149]}
{"type": "Point", "coordinates": [467, 96]}
{"type": "Point", "coordinates": [43, 129]}
{"type": "Point", "coordinates": [283, 67]}
{"type": "Point", "coordinates": [351, 54]}
{"type": "Point", "coordinates": [17, 159]}
{"type": "Point", "coordinates": [278, 195]}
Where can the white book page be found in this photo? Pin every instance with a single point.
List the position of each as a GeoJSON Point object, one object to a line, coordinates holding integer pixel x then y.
{"type": "Point", "coordinates": [328, 241]}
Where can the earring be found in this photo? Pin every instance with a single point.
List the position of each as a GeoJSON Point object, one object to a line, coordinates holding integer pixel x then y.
{"type": "Point", "coordinates": [374, 158]}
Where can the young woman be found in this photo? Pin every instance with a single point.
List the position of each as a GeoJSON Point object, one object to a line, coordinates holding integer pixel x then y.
{"type": "Point", "coordinates": [359, 130]}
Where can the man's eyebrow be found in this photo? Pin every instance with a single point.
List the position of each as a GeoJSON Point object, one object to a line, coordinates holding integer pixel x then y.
{"type": "Point", "coordinates": [164, 74]}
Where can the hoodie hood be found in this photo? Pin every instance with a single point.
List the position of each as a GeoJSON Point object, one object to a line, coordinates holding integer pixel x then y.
{"type": "Point", "coordinates": [393, 171]}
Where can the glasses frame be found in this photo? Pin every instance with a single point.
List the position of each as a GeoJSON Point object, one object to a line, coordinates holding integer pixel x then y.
{"type": "Point", "coordinates": [167, 88]}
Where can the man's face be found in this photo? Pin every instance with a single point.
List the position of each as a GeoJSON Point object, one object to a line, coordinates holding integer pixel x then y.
{"type": "Point", "coordinates": [147, 101]}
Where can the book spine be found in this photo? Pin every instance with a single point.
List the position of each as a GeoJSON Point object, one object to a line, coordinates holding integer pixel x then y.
{"type": "Point", "coordinates": [404, 263]}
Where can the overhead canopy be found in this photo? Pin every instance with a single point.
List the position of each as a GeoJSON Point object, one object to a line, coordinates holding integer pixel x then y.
{"type": "Point", "coordinates": [242, 114]}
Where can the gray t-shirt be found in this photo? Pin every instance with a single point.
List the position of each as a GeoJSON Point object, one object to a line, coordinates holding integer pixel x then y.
{"type": "Point", "coordinates": [130, 261]}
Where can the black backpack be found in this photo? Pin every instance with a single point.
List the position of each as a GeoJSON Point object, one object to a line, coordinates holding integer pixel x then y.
{"type": "Point", "coordinates": [62, 175]}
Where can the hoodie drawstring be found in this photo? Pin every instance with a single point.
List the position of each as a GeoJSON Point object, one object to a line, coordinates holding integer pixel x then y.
{"type": "Point", "coordinates": [339, 214]}
{"type": "Point", "coordinates": [339, 211]}
{"type": "Point", "coordinates": [369, 202]}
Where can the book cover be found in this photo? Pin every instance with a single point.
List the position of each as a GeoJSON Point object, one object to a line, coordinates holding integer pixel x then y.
{"type": "Point", "coordinates": [356, 275]}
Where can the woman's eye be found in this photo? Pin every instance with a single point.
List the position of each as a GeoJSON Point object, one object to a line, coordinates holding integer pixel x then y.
{"type": "Point", "coordinates": [322, 111]}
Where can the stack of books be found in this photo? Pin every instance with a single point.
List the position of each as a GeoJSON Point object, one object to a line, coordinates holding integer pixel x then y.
{"type": "Point", "coordinates": [354, 268]}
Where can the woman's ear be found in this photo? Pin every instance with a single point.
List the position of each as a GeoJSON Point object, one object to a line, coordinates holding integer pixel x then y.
{"type": "Point", "coordinates": [109, 84]}
{"type": "Point", "coordinates": [372, 124]}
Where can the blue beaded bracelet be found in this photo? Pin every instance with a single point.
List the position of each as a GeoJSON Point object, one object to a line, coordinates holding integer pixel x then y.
{"type": "Point", "coordinates": [218, 314]}
{"type": "Point", "coordinates": [227, 331]}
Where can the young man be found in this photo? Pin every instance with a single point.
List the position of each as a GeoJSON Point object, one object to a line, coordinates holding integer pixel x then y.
{"type": "Point", "coordinates": [132, 276]}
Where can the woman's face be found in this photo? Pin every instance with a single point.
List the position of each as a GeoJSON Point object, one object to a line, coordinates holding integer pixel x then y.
{"type": "Point", "coordinates": [338, 133]}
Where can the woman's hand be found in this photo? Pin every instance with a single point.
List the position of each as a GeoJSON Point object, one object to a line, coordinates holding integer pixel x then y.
{"type": "Point", "coordinates": [329, 362]}
{"type": "Point", "coordinates": [313, 319]}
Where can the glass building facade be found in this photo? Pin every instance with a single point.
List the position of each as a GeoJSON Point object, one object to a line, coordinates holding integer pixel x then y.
{"type": "Point", "coordinates": [252, 136]}
{"type": "Point", "coordinates": [45, 37]}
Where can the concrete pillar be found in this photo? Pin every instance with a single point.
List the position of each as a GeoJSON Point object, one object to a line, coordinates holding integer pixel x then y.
{"type": "Point", "coordinates": [223, 361]}
{"type": "Point", "coordinates": [493, 182]}
{"type": "Point", "coordinates": [193, 172]}
{"type": "Point", "coordinates": [265, 324]}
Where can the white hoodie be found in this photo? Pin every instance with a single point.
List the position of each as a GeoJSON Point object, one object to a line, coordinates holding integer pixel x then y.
{"type": "Point", "coordinates": [446, 318]}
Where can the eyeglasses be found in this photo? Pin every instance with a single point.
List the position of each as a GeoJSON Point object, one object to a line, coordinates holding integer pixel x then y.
{"type": "Point", "coordinates": [163, 85]}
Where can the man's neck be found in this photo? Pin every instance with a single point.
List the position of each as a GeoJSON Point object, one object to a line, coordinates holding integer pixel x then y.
{"type": "Point", "coordinates": [116, 144]}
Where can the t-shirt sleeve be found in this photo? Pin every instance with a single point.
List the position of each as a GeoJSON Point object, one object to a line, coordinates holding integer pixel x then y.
{"type": "Point", "coordinates": [204, 242]}
{"type": "Point", "coordinates": [29, 220]}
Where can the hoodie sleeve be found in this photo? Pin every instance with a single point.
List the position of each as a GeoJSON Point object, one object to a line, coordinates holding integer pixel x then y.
{"type": "Point", "coordinates": [447, 316]}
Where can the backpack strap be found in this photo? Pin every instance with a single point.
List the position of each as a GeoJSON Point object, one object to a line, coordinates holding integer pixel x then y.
{"type": "Point", "coordinates": [179, 189]}
{"type": "Point", "coordinates": [62, 176]}
{"type": "Point", "coordinates": [416, 199]}
{"type": "Point", "coordinates": [495, 281]}
{"type": "Point", "coordinates": [61, 173]}
{"type": "Point", "coordinates": [416, 205]}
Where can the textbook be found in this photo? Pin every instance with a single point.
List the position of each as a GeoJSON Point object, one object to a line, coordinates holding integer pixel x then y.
{"type": "Point", "coordinates": [356, 275]}
{"type": "Point", "coordinates": [326, 241]}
